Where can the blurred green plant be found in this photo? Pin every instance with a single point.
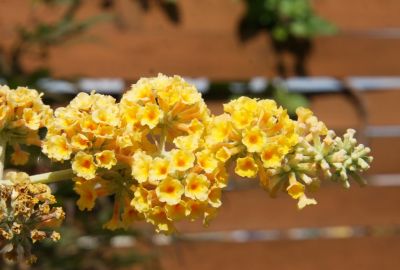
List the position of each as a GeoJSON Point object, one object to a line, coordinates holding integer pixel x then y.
{"type": "Point", "coordinates": [284, 19]}
{"type": "Point", "coordinates": [288, 100]}
{"type": "Point", "coordinates": [290, 24]}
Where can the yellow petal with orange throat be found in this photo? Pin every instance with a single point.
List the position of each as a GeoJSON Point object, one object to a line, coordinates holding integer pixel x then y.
{"type": "Point", "coordinates": [83, 165]}
{"type": "Point", "coordinates": [246, 167]}
{"type": "Point", "coordinates": [170, 191]}
{"type": "Point", "coordinates": [197, 187]}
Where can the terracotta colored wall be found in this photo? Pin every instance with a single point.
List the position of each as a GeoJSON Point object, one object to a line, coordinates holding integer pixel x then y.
{"type": "Point", "coordinates": [205, 42]}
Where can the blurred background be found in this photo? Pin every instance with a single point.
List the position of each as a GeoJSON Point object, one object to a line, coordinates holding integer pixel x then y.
{"type": "Point", "coordinates": [340, 58]}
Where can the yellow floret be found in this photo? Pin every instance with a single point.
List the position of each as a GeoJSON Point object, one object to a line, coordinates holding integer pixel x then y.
{"type": "Point", "coordinates": [255, 140]}
{"type": "Point", "coordinates": [31, 118]}
{"type": "Point", "coordinates": [82, 101]}
{"type": "Point", "coordinates": [241, 118]}
{"type": "Point", "coordinates": [141, 166]}
{"type": "Point", "coordinates": [196, 187]}
{"type": "Point", "coordinates": [141, 91]}
{"type": "Point", "coordinates": [214, 197]}
{"type": "Point", "coordinates": [187, 143]}
{"type": "Point", "coordinates": [106, 159]}
{"type": "Point", "coordinates": [150, 115]}
{"type": "Point", "coordinates": [159, 169]}
{"type": "Point", "coordinates": [246, 167]}
{"type": "Point", "coordinates": [206, 160]}
{"type": "Point", "coordinates": [86, 191]}
{"type": "Point", "coordinates": [80, 142]}
{"type": "Point", "coordinates": [140, 200]}
{"type": "Point", "coordinates": [176, 212]}
{"type": "Point", "coordinates": [83, 165]}
{"type": "Point", "coordinates": [223, 154]}
{"type": "Point", "coordinates": [57, 147]}
{"type": "Point", "coordinates": [219, 129]}
{"type": "Point", "coordinates": [107, 116]}
{"type": "Point", "coordinates": [304, 201]}
{"type": "Point", "coordinates": [295, 188]}
{"type": "Point", "coordinates": [170, 191]}
{"type": "Point", "coordinates": [181, 160]}
{"type": "Point", "coordinates": [271, 157]}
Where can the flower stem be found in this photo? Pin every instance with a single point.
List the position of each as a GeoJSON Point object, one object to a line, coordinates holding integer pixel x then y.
{"type": "Point", "coordinates": [52, 177]}
{"type": "Point", "coordinates": [3, 145]}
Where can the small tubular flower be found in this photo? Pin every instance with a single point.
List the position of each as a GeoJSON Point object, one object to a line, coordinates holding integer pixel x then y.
{"type": "Point", "coordinates": [83, 165]}
{"type": "Point", "coordinates": [105, 159]}
{"type": "Point", "coordinates": [246, 167]}
{"type": "Point", "coordinates": [181, 160]}
{"type": "Point", "coordinates": [159, 169]}
{"type": "Point", "coordinates": [197, 187]}
{"type": "Point", "coordinates": [170, 191]}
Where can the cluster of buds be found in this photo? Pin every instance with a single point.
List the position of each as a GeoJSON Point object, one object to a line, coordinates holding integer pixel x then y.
{"type": "Point", "coordinates": [22, 114]}
{"type": "Point", "coordinates": [163, 156]}
{"type": "Point", "coordinates": [319, 154]}
{"type": "Point", "coordinates": [26, 216]}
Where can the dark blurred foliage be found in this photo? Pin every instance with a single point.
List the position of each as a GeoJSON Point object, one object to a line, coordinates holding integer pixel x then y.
{"type": "Point", "coordinates": [170, 8]}
{"type": "Point", "coordinates": [290, 24]}
{"type": "Point", "coordinates": [283, 19]}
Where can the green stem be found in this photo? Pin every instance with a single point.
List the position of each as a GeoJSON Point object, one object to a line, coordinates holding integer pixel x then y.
{"type": "Point", "coordinates": [3, 145]}
{"type": "Point", "coordinates": [52, 177]}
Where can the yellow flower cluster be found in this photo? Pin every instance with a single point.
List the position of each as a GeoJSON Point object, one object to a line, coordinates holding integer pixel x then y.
{"type": "Point", "coordinates": [148, 151]}
{"type": "Point", "coordinates": [26, 216]}
{"type": "Point", "coordinates": [22, 114]}
{"type": "Point", "coordinates": [257, 132]}
{"type": "Point", "coordinates": [163, 157]}
{"type": "Point", "coordinates": [85, 132]}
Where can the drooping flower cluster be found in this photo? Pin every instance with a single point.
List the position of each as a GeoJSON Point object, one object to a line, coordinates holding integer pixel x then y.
{"type": "Point", "coordinates": [163, 157]}
{"type": "Point", "coordinates": [26, 216]}
{"type": "Point", "coordinates": [22, 114]}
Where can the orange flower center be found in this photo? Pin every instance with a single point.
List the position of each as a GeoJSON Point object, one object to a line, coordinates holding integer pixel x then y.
{"type": "Point", "coordinates": [170, 189]}
{"type": "Point", "coordinates": [86, 164]}
{"type": "Point", "coordinates": [253, 139]}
